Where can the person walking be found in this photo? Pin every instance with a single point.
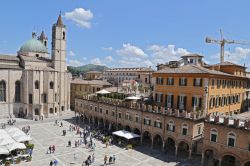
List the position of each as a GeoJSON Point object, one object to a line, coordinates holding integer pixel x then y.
{"type": "Point", "coordinates": [53, 149]}
{"type": "Point", "coordinates": [93, 158]}
{"type": "Point", "coordinates": [105, 159]}
{"type": "Point", "coordinates": [110, 160]}
{"type": "Point", "coordinates": [55, 162]}
{"type": "Point", "coordinates": [114, 159]}
{"type": "Point", "coordinates": [51, 163]}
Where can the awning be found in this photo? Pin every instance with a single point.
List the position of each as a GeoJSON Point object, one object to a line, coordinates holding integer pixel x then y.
{"type": "Point", "coordinates": [132, 98]}
{"type": "Point", "coordinates": [103, 91]}
{"type": "Point", "coordinates": [15, 146]}
{"type": "Point", "coordinates": [4, 150]}
{"type": "Point", "coordinates": [22, 138]}
{"type": "Point", "coordinates": [126, 134]}
{"type": "Point", "coordinates": [6, 140]}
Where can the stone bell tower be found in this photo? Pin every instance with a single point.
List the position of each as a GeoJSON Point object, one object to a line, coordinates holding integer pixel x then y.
{"type": "Point", "coordinates": [59, 45]}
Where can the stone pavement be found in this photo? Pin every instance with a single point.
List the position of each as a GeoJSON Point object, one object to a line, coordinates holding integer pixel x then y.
{"type": "Point", "coordinates": [46, 133]}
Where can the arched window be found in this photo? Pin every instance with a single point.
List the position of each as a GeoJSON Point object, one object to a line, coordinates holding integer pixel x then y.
{"type": "Point", "coordinates": [51, 85]}
{"type": "Point", "coordinates": [17, 91]}
{"type": "Point", "coordinates": [213, 135]}
{"type": "Point", "coordinates": [231, 139]}
{"type": "Point", "coordinates": [64, 35]}
{"type": "Point", "coordinates": [171, 126]}
{"type": "Point", "coordinates": [36, 84]}
{"type": "Point", "coordinates": [184, 129]}
{"type": "Point", "coordinates": [51, 110]}
{"type": "Point", "coordinates": [2, 91]}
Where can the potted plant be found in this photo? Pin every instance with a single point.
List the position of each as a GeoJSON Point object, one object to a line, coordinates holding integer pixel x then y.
{"type": "Point", "coordinates": [7, 163]}
{"type": "Point", "coordinates": [29, 158]}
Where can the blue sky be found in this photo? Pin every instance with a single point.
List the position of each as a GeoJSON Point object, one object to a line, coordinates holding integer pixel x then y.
{"type": "Point", "coordinates": [130, 32]}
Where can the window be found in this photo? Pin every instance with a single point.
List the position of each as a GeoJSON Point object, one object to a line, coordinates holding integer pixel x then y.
{"type": "Point", "coordinates": [212, 82]}
{"type": "Point", "coordinates": [64, 36]}
{"type": "Point", "coordinates": [113, 113]}
{"type": "Point", "coordinates": [169, 101]}
{"type": "Point", "coordinates": [217, 102]}
{"type": "Point", "coordinates": [159, 97]}
{"type": "Point", "coordinates": [62, 108]}
{"type": "Point", "coordinates": [51, 110]}
{"type": "Point", "coordinates": [30, 99]}
{"type": "Point", "coordinates": [231, 137]}
{"type": "Point", "coordinates": [119, 115]}
{"type": "Point", "coordinates": [127, 116]}
{"type": "Point", "coordinates": [36, 84]}
{"type": "Point", "coordinates": [159, 80]}
{"type": "Point", "coordinates": [2, 91]}
{"type": "Point", "coordinates": [249, 146]}
{"type": "Point", "coordinates": [36, 111]}
{"type": "Point", "coordinates": [182, 102]}
{"type": "Point", "coordinates": [199, 129]}
{"type": "Point", "coordinates": [184, 129]}
{"type": "Point", "coordinates": [147, 121]}
{"type": "Point", "coordinates": [212, 102]}
{"type": "Point", "coordinates": [137, 119]}
{"type": "Point", "coordinates": [17, 91]}
{"type": "Point", "coordinates": [96, 109]}
{"type": "Point", "coordinates": [158, 124]}
{"type": "Point", "coordinates": [197, 82]}
{"type": "Point", "coordinates": [171, 126]}
{"type": "Point", "coordinates": [183, 81]}
{"type": "Point", "coordinates": [100, 110]}
{"type": "Point", "coordinates": [218, 83]}
{"type": "Point", "coordinates": [213, 135]}
{"type": "Point", "coordinates": [170, 81]}
{"type": "Point", "coordinates": [196, 102]}
{"type": "Point", "coordinates": [51, 85]}
{"type": "Point", "coordinates": [107, 112]}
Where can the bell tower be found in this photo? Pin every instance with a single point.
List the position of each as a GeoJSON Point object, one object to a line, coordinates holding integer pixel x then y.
{"type": "Point", "coordinates": [59, 45]}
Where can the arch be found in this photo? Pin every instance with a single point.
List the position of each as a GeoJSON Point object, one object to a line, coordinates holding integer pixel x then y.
{"type": "Point", "coordinates": [158, 141]}
{"type": "Point", "coordinates": [37, 112]}
{"type": "Point", "coordinates": [137, 131]}
{"type": "Point", "coordinates": [51, 85]}
{"type": "Point", "coordinates": [17, 91]}
{"type": "Point", "coordinates": [36, 84]}
{"type": "Point", "coordinates": [183, 148]}
{"type": "Point", "coordinates": [147, 138]}
{"type": "Point", "coordinates": [229, 159]}
{"type": "Point", "coordinates": [209, 157]}
{"type": "Point", "coordinates": [127, 128]}
{"type": "Point", "coordinates": [2, 90]}
{"type": "Point", "coordinates": [170, 145]}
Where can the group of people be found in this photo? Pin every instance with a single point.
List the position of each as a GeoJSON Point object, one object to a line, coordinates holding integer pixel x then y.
{"type": "Point", "coordinates": [51, 149]}
{"type": "Point", "coordinates": [26, 129]}
{"type": "Point", "coordinates": [109, 160]}
{"type": "Point", "coordinates": [90, 160]}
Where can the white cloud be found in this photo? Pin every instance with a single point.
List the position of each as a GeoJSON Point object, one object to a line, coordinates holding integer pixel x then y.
{"type": "Point", "coordinates": [109, 58]}
{"type": "Point", "coordinates": [107, 48]}
{"type": "Point", "coordinates": [74, 62]}
{"type": "Point", "coordinates": [71, 53]}
{"type": "Point", "coordinates": [96, 61]}
{"type": "Point", "coordinates": [238, 55]}
{"type": "Point", "coordinates": [130, 50]}
{"type": "Point", "coordinates": [80, 16]}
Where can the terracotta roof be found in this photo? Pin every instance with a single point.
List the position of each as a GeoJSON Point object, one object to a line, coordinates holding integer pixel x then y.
{"type": "Point", "coordinates": [9, 57]}
{"type": "Point", "coordinates": [226, 63]}
{"type": "Point", "coordinates": [191, 69]}
{"type": "Point", "coordinates": [130, 69]}
{"type": "Point", "coordinates": [90, 82]}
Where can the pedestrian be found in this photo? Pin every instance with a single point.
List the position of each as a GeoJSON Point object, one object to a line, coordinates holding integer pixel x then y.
{"type": "Point", "coordinates": [110, 160]}
{"type": "Point", "coordinates": [69, 143]}
{"type": "Point", "coordinates": [50, 149]}
{"type": "Point", "coordinates": [61, 124]}
{"type": "Point", "coordinates": [55, 162]}
{"type": "Point", "coordinates": [93, 158]}
{"type": "Point", "coordinates": [51, 163]}
{"type": "Point", "coordinates": [53, 149]}
{"type": "Point", "coordinates": [105, 160]}
{"type": "Point", "coordinates": [114, 159]}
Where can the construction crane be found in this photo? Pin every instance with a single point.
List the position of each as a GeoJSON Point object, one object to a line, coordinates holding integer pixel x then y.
{"type": "Point", "coordinates": [222, 43]}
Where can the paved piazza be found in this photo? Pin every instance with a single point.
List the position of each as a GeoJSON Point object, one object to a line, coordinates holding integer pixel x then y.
{"type": "Point", "coordinates": [45, 133]}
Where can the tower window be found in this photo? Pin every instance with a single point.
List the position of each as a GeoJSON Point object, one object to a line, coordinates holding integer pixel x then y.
{"type": "Point", "coordinates": [37, 84]}
{"type": "Point", "coordinates": [51, 85]}
{"type": "Point", "coordinates": [2, 91]}
{"type": "Point", "coordinates": [17, 91]}
{"type": "Point", "coordinates": [45, 43]}
{"type": "Point", "coordinates": [63, 35]}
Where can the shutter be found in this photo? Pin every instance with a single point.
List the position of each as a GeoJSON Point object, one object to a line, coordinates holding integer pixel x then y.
{"type": "Point", "coordinates": [149, 122]}
{"type": "Point", "coordinates": [154, 123]}
{"type": "Point", "coordinates": [156, 97]}
{"type": "Point", "coordinates": [185, 81]}
{"type": "Point", "coordinates": [200, 102]}
{"type": "Point", "coordinates": [173, 128]}
{"type": "Point", "coordinates": [144, 121]}
{"type": "Point", "coordinates": [167, 126]}
{"type": "Point", "coordinates": [201, 82]}
{"type": "Point", "coordinates": [166, 100]}
{"type": "Point", "coordinates": [178, 102]}
{"type": "Point", "coordinates": [172, 101]}
{"type": "Point", "coordinates": [185, 102]}
{"type": "Point", "coordinates": [161, 98]}
{"type": "Point", "coordinates": [194, 81]}
{"type": "Point", "coordinates": [179, 81]}
{"type": "Point", "coordinates": [167, 81]}
{"type": "Point", "coordinates": [193, 101]}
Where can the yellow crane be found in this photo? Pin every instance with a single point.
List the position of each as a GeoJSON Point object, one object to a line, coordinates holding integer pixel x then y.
{"type": "Point", "coordinates": [222, 43]}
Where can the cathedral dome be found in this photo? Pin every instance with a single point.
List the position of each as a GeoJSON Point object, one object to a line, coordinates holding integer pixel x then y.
{"type": "Point", "coordinates": [33, 45]}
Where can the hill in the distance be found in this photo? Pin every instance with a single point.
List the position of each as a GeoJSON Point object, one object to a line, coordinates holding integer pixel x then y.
{"type": "Point", "coordinates": [86, 68]}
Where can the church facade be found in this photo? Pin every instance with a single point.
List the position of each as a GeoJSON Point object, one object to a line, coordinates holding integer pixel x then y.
{"type": "Point", "coordinates": [34, 84]}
